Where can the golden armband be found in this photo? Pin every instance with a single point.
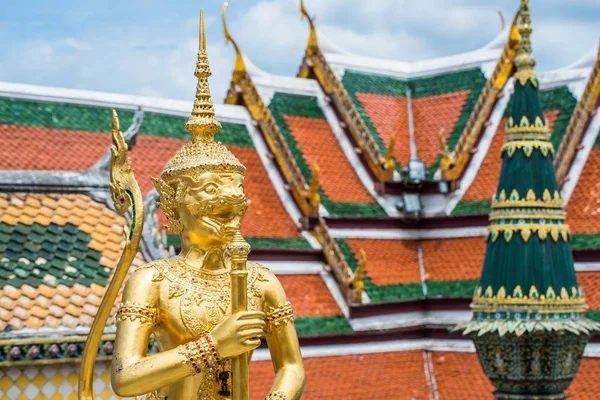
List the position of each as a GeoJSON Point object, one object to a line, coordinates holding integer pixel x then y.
{"type": "Point", "coordinates": [135, 311]}
{"type": "Point", "coordinates": [276, 396]}
{"type": "Point", "coordinates": [278, 317]}
{"type": "Point", "coordinates": [200, 354]}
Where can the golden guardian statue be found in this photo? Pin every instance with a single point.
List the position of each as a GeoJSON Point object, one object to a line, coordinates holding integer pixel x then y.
{"type": "Point", "coordinates": [208, 306]}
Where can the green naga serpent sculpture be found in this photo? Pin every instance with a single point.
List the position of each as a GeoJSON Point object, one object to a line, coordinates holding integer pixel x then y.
{"type": "Point", "coordinates": [125, 194]}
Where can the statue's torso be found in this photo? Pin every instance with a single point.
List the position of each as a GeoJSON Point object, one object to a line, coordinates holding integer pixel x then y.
{"type": "Point", "coordinates": [191, 304]}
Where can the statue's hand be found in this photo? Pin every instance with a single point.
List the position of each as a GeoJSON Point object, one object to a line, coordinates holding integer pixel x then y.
{"type": "Point", "coordinates": [239, 333]}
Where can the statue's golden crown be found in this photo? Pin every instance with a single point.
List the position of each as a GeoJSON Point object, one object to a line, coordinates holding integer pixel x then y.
{"type": "Point", "coordinates": [203, 153]}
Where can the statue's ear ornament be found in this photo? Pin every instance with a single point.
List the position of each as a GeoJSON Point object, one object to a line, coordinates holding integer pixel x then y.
{"type": "Point", "coordinates": [170, 201]}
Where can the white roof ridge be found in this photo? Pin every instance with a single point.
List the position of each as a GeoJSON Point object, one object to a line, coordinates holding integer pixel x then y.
{"type": "Point", "coordinates": [588, 60]}
{"type": "Point", "coordinates": [407, 69]}
{"type": "Point", "coordinates": [328, 46]}
{"type": "Point", "coordinates": [252, 69]}
{"type": "Point", "coordinates": [106, 99]}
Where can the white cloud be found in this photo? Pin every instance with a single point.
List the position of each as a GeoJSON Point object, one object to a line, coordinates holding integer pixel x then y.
{"type": "Point", "coordinates": [157, 58]}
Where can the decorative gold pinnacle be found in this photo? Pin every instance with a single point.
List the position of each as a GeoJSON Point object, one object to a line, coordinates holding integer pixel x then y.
{"type": "Point", "coordinates": [313, 42]}
{"type": "Point", "coordinates": [115, 121]}
{"type": "Point", "coordinates": [239, 68]}
{"type": "Point", "coordinates": [524, 60]}
{"type": "Point", "coordinates": [388, 159]}
{"type": "Point", "coordinates": [202, 124]}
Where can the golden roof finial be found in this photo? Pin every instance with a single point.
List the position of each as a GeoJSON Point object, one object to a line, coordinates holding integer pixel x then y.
{"type": "Point", "coordinates": [313, 43]}
{"type": "Point", "coordinates": [239, 67]}
{"type": "Point", "coordinates": [202, 124]}
{"type": "Point", "coordinates": [447, 159]}
{"type": "Point", "coordinates": [115, 121]}
{"type": "Point", "coordinates": [524, 60]}
{"type": "Point", "coordinates": [502, 22]}
{"type": "Point", "coordinates": [313, 190]}
{"type": "Point", "coordinates": [359, 276]}
{"type": "Point", "coordinates": [389, 152]}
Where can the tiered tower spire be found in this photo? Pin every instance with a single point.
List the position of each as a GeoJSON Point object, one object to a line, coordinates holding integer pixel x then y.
{"type": "Point", "coordinates": [529, 323]}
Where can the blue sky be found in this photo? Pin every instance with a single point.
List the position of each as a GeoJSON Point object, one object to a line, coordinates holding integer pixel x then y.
{"type": "Point", "coordinates": [149, 47]}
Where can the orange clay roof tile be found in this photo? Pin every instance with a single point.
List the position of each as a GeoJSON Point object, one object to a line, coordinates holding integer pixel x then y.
{"type": "Point", "coordinates": [586, 384]}
{"type": "Point", "coordinates": [338, 178]}
{"type": "Point", "coordinates": [33, 323]}
{"type": "Point", "coordinates": [590, 282]}
{"type": "Point", "coordinates": [85, 148]}
{"type": "Point", "coordinates": [5, 314]}
{"type": "Point", "coordinates": [583, 209]}
{"type": "Point", "coordinates": [452, 368]}
{"type": "Point", "coordinates": [309, 296]}
{"type": "Point", "coordinates": [433, 113]}
{"type": "Point", "coordinates": [353, 377]}
{"type": "Point", "coordinates": [389, 261]}
{"type": "Point", "coordinates": [453, 259]}
{"type": "Point", "coordinates": [451, 375]}
{"type": "Point", "coordinates": [39, 312]}
{"type": "Point", "coordinates": [389, 114]}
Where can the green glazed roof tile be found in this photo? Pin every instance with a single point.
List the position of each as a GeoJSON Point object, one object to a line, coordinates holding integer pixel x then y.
{"type": "Point", "coordinates": [59, 116]}
{"type": "Point", "coordinates": [321, 325]}
{"type": "Point", "coordinates": [259, 243]}
{"type": "Point", "coordinates": [32, 243]}
{"type": "Point", "coordinates": [173, 127]}
{"type": "Point", "coordinates": [583, 241]}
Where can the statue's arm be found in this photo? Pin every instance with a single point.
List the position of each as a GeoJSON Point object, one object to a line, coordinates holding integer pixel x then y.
{"type": "Point", "coordinates": [283, 344]}
{"type": "Point", "coordinates": [134, 372]}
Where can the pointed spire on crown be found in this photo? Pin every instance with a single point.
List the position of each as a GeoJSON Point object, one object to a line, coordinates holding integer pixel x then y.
{"type": "Point", "coordinates": [202, 124]}
{"type": "Point", "coordinates": [203, 153]}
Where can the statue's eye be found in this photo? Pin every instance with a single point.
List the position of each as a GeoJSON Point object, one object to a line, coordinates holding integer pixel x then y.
{"type": "Point", "coordinates": [211, 188]}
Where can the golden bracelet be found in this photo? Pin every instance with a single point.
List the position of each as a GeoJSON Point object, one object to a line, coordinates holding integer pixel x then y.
{"type": "Point", "coordinates": [276, 396]}
{"type": "Point", "coordinates": [135, 311]}
{"type": "Point", "coordinates": [200, 354]}
{"type": "Point", "coordinates": [278, 317]}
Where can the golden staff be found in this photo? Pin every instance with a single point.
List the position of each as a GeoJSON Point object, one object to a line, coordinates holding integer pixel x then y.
{"type": "Point", "coordinates": [125, 193]}
{"type": "Point", "coordinates": [239, 251]}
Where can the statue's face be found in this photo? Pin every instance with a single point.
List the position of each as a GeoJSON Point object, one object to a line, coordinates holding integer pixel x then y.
{"type": "Point", "coordinates": [213, 208]}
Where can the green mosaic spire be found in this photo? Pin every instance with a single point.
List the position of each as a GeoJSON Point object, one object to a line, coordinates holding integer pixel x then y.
{"type": "Point", "coordinates": [529, 323]}
{"type": "Point", "coordinates": [528, 275]}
